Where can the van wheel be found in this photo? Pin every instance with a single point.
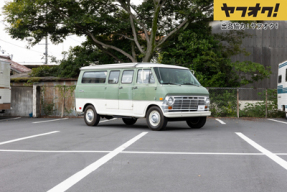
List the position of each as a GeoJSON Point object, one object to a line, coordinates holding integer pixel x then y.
{"type": "Point", "coordinates": [128, 121]}
{"type": "Point", "coordinates": [91, 117]}
{"type": "Point", "coordinates": [196, 122]}
{"type": "Point", "coordinates": [155, 119]}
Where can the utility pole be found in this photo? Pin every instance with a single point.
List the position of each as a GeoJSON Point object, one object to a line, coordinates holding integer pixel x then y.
{"type": "Point", "coordinates": [46, 40]}
{"type": "Point", "coordinates": [46, 52]}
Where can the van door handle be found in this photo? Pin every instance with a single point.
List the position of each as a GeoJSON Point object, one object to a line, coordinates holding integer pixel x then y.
{"type": "Point", "coordinates": [120, 87]}
{"type": "Point", "coordinates": [81, 91]}
{"type": "Point", "coordinates": [135, 87]}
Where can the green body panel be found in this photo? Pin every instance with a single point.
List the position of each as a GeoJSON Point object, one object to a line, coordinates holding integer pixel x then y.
{"type": "Point", "coordinates": [164, 90]}
{"type": "Point", "coordinates": [90, 90]}
{"type": "Point", "coordinates": [144, 92]}
{"type": "Point", "coordinates": [125, 90]}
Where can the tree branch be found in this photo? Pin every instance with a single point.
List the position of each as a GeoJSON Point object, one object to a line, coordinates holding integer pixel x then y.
{"type": "Point", "coordinates": [125, 36]}
{"type": "Point", "coordinates": [162, 3]}
{"type": "Point", "coordinates": [172, 32]}
{"type": "Point", "coordinates": [110, 46]}
{"type": "Point", "coordinates": [109, 53]}
{"type": "Point", "coordinates": [103, 44]}
{"type": "Point", "coordinates": [136, 20]}
{"type": "Point", "coordinates": [134, 30]}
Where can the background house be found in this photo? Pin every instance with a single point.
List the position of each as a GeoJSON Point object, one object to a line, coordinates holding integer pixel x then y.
{"type": "Point", "coordinates": [17, 70]}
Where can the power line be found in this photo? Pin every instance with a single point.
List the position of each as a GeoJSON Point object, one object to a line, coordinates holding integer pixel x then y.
{"type": "Point", "coordinates": [21, 47]}
{"type": "Point", "coordinates": [75, 40]}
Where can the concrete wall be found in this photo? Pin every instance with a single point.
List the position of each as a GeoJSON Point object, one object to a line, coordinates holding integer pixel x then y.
{"type": "Point", "coordinates": [21, 101]}
{"type": "Point", "coordinates": [28, 99]}
{"type": "Point", "coordinates": [51, 95]}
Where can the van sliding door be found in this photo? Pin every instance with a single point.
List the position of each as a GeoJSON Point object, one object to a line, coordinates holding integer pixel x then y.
{"type": "Point", "coordinates": [125, 91]}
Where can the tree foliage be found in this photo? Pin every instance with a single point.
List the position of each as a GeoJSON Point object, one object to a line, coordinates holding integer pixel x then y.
{"type": "Point", "coordinates": [209, 56]}
{"type": "Point", "coordinates": [147, 26]}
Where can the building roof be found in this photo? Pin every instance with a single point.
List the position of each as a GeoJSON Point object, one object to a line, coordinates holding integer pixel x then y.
{"type": "Point", "coordinates": [15, 66]}
{"type": "Point", "coordinates": [130, 65]}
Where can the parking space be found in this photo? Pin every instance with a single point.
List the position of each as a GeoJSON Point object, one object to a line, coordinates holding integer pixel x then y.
{"type": "Point", "coordinates": [65, 154]}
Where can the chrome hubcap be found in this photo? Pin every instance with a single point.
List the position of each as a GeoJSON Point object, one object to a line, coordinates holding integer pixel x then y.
{"type": "Point", "coordinates": [154, 118]}
{"type": "Point", "coordinates": [90, 115]}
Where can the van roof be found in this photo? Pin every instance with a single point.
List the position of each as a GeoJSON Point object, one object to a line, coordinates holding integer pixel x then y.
{"type": "Point", "coordinates": [131, 65]}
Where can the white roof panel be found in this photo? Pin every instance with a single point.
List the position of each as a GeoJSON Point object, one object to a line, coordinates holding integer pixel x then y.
{"type": "Point", "coordinates": [130, 65]}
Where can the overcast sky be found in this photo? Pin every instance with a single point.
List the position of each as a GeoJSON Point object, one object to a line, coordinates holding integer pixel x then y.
{"type": "Point", "coordinates": [34, 55]}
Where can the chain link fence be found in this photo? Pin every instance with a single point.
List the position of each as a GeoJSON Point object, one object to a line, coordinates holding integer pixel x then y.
{"type": "Point", "coordinates": [243, 102]}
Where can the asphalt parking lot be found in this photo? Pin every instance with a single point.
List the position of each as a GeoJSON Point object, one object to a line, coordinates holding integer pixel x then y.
{"type": "Point", "coordinates": [227, 154]}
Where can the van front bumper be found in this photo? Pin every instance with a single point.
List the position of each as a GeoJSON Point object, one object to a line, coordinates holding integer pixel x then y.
{"type": "Point", "coordinates": [187, 114]}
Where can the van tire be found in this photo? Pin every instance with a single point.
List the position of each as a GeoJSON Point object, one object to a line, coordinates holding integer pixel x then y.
{"type": "Point", "coordinates": [196, 122]}
{"type": "Point", "coordinates": [129, 121]}
{"type": "Point", "coordinates": [155, 119]}
{"type": "Point", "coordinates": [92, 118]}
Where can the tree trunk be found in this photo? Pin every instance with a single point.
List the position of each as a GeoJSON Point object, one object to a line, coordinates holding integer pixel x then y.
{"type": "Point", "coordinates": [151, 45]}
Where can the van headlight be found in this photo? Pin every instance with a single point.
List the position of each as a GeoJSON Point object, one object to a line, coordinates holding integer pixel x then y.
{"type": "Point", "coordinates": [170, 101]}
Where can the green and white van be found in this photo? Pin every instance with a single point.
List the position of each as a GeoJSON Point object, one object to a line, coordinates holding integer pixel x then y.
{"type": "Point", "coordinates": [157, 92]}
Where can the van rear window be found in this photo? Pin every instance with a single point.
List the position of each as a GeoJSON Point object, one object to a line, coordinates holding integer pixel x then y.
{"type": "Point", "coordinates": [94, 77]}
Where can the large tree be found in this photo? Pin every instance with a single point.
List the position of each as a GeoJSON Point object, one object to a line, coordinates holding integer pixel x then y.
{"type": "Point", "coordinates": [147, 26]}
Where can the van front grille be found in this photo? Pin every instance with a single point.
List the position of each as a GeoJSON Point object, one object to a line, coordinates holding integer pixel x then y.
{"type": "Point", "coordinates": [187, 103]}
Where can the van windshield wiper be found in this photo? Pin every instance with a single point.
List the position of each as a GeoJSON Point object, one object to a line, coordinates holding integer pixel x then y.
{"type": "Point", "coordinates": [188, 83]}
{"type": "Point", "coordinates": [171, 83]}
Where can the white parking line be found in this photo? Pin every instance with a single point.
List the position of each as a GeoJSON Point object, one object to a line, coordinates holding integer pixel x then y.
{"type": "Point", "coordinates": [220, 121]}
{"type": "Point", "coordinates": [277, 121]}
{"type": "Point", "coordinates": [138, 152]}
{"type": "Point", "coordinates": [29, 137]}
{"type": "Point", "coordinates": [187, 153]}
{"type": "Point", "coordinates": [10, 119]}
{"type": "Point", "coordinates": [49, 151]}
{"type": "Point", "coordinates": [50, 120]}
{"type": "Point", "coordinates": [94, 166]}
{"type": "Point", "coordinates": [269, 154]}
{"type": "Point", "coordinates": [107, 120]}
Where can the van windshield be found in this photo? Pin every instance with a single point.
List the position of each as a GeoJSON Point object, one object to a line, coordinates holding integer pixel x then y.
{"type": "Point", "coordinates": [175, 76]}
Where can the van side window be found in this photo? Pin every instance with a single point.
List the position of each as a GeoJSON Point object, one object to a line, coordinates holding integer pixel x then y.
{"type": "Point", "coordinates": [280, 79]}
{"type": "Point", "coordinates": [94, 77]}
{"type": "Point", "coordinates": [127, 77]}
{"type": "Point", "coordinates": [114, 77]}
{"type": "Point", "coordinates": [145, 76]}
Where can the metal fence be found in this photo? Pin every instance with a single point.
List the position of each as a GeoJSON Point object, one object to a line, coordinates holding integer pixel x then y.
{"type": "Point", "coordinates": [243, 102]}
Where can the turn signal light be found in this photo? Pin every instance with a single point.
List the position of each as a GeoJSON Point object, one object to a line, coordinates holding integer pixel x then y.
{"type": "Point", "coordinates": [161, 98]}
{"type": "Point", "coordinates": [205, 107]}
{"type": "Point", "coordinates": [169, 107]}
